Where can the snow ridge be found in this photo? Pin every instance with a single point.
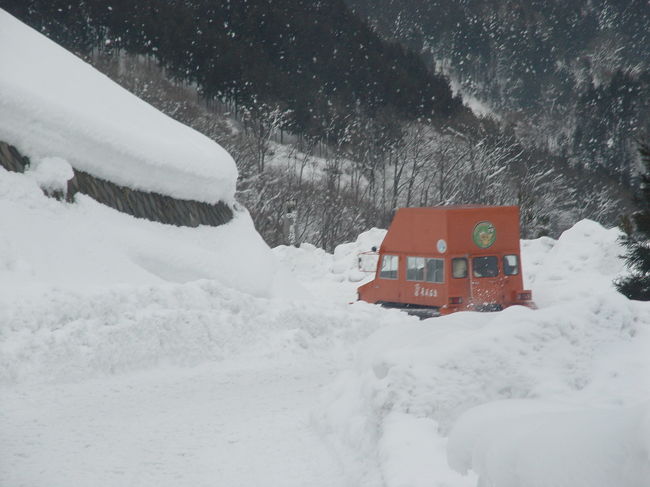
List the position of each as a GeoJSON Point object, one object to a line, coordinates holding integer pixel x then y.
{"type": "Point", "coordinates": [55, 105]}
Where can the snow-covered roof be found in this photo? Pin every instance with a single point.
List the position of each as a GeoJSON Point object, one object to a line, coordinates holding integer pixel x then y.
{"type": "Point", "coordinates": [52, 104]}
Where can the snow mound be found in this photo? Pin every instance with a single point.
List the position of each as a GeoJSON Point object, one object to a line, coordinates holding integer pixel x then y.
{"type": "Point", "coordinates": [580, 356]}
{"type": "Point", "coordinates": [86, 288]}
{"type": "Point", "coordinates": [524, 442]}
{"type": "Point", "coordinates": [311, 262]}
{"type": "Point", "coordinates": [355, 261]}
{"type": "Point", "coordinates": [51, 174]}
{"type": "Point", "coordinates": [334, 275]}
{"type": "Point", "coordinates": [55, 105]}
{"type": "Point", "coordinates": [64, 335]}
{"type": "Point", "coordinates": [581, 263]}
{"type": "Point", "coordinates": [86, 246]}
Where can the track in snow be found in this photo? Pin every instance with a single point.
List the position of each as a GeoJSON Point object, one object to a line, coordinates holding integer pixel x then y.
{"type": "Point", "coordinates": [215, 425]}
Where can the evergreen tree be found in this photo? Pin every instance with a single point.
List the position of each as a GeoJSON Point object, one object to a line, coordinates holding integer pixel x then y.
{"type": "Point", "coordinates": [317, 59]}
{"type": "Point", "coordinates": [637, 239]}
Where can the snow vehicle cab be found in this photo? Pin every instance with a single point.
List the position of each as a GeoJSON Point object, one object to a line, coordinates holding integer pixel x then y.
{"type": "Point", "coordinates": [450, 258]}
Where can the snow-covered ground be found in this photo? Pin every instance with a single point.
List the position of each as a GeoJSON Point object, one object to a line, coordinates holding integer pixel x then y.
{"type": "Point", "coordinates": [142, 353]}
{"type": "Point", "coordinates": [138, 353]}
{"type": "Point", "coordinates": [231, 424]}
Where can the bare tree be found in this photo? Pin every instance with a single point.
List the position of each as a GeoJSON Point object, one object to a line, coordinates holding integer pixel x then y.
{"type": "Point", "coordinates": [260, 122]}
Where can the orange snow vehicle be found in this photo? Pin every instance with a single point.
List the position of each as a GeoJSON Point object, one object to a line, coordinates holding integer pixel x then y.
{"type": "Point", "coordinates": [450, 258]}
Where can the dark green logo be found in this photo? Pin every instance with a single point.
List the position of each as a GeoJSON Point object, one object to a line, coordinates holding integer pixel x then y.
{"type": "Point", "coordinates": [484, 234]}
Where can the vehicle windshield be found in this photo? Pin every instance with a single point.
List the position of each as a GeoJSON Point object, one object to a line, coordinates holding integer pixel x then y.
{"type": "Point", "coordinates": [487, 266]}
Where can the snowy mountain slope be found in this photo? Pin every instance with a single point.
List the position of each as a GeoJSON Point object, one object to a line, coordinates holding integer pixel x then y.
{"type": "Point", "coordinates": [55, 105]}
{"type": "Point", "coordinates": [554, 397]}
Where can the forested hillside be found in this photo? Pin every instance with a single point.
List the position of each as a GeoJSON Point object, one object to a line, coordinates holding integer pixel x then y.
{"type": "Point", "coordinates": [315, 59]}
{"type": "Point", "coordinates": [570, 77]}
{"type": "Point", "coordinates": [324, 116]}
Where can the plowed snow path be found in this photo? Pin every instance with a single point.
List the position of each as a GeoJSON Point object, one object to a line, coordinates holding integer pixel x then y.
{"type": "Point", "coordinates": [215, 425]}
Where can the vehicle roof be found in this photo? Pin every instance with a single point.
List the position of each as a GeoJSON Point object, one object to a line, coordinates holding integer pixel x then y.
{"type": "Point", "coordinates": [419, 230]}
{"type": "Point", "coordinates": [452, 208]}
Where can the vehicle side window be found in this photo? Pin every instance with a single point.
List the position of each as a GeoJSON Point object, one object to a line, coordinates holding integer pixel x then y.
{"type": "Point", "coordinates": [389, 266]}
{"type": "Point", "coordinates": [510, 265]}
{"type": "Point", "coordinates": [424, 269]}
{"type": "Point", "coordinates": [459, 267]}
{"type": "Point", "coordinates": [415, 268]}
{"type": "Point", "coordinates": [435, 270]}
{"type": "Point", "coordinates": [487, 266]}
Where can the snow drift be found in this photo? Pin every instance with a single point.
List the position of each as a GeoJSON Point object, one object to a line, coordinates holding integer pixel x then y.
{"type": "Point", "coordinates": [333, 277]}
{"type": "Point", "coordinates": [534, 442]}
{"type": "Point", "coordinates": [55, 105]}
{"type": "Point", "coordinates": [85, 289]}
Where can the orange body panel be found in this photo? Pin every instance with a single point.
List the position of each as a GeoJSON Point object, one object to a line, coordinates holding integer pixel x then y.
{"type": "Point", "coordinates": [482, 235]}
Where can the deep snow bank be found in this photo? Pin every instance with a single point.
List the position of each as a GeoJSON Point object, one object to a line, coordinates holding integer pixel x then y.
{"type": "Point", "coordinates": [552, 443]}
{"type": "Point", "coordinates": [85, 289]}
{"type": "Point", "coordinates": [64, 335]}
{"type": "Point", "coordinates": [86, 246]}
{"type": "Point", "coordinates": [55, 105]}
{"type": "Point", "coordinates": [584, 354]}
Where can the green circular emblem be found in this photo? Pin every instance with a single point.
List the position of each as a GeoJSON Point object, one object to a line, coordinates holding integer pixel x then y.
{"type": "Point", "coordinates": [484, 234]}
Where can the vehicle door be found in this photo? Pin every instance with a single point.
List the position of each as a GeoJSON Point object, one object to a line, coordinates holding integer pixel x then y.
{"type": "Point", "coordinates": [486, 281]}
{"type": "Point", "coordinates": [387, 282]}
{"type": "Point", "coordinates": [460, 283]}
